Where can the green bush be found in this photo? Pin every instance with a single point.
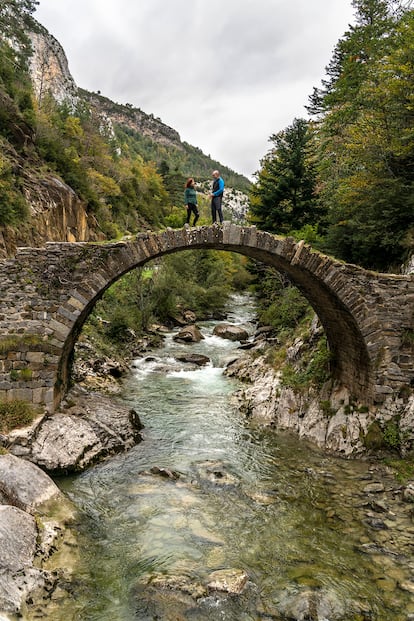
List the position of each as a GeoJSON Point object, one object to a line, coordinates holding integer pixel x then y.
{"type": "Point", "coordinates": [312, 371]}
{"type": "Point", "coordinates": [16, 414]}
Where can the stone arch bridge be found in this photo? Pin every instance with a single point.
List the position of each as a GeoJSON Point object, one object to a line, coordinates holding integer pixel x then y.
{"type": "Point", "coordinates": [47, 294]}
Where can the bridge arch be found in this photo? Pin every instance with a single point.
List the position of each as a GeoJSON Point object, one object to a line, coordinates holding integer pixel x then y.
{"type": "Point", "coordinates": [363, 329]}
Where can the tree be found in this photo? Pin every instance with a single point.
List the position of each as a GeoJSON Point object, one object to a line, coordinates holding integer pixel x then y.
{"type": "Point", "coordinates": [365, 138]}
{"type": "Point", "coordinates": [347, 70]}
{"type": "Point", "coordinates": [283, 197]}
{"type": "Point", "coordinates": [16, 20]}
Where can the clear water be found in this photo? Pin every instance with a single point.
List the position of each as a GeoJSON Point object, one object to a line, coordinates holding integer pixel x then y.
{"type": "Point", "coordinates": [240, 497]}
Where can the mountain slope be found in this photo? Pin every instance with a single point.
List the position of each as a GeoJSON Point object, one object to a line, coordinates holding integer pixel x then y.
{"type": "Point", "coordinates": [75, 166]}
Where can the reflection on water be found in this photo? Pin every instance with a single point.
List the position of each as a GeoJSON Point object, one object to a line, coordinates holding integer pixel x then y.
{"type": "Point", "coordinates": [205, 491]}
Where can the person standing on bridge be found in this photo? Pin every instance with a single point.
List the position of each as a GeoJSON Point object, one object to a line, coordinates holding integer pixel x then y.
{"type": "Point", "coordinates": [190, 200]}
{"type": "Point", "coordinates": [217, 197]}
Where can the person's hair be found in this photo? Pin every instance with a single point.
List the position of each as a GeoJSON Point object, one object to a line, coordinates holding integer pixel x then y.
{"type": "Point", "coordinates": [189, 182]}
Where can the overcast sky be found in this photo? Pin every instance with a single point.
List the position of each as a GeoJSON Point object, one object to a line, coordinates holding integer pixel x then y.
{"type": "Point", "coordinates": [226, 74]}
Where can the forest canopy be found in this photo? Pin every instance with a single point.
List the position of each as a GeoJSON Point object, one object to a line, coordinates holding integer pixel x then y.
{"type": "Point", "coordinates": [343, 179]}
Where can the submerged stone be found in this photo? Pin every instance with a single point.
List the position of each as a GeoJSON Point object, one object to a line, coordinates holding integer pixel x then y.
{"type": "Point", "coordinates": [228, 581]}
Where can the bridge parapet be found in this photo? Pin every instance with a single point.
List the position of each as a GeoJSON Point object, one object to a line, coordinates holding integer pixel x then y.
{"type": "Point", "coordinates": [48, 293]}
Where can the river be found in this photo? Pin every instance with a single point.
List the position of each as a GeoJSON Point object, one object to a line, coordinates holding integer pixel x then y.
{"type": "Point", "coordinates": [206, 491]}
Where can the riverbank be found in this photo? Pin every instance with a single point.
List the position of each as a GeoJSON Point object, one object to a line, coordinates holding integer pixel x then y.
{"type": "Point", "coordinates": [215, 515]}
{"type": "Point", "coordinates": [275, 392]}
{"type": "Point", "coordinates": [383, 506]}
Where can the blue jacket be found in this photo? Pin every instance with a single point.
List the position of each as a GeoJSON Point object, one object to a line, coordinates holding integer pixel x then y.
{"type": "Point", "coordinates": [218, 187]}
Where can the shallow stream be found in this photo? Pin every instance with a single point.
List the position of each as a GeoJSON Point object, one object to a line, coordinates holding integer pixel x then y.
{"type": "Point", "coordinates": [207, 491]}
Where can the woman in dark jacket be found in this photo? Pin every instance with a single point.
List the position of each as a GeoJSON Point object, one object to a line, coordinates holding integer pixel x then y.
{"type": "Point", "coordinates": [190, 200]}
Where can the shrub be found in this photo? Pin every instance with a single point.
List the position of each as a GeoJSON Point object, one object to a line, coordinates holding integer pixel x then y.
{"type": "Point", "coordinates": [16, 414]}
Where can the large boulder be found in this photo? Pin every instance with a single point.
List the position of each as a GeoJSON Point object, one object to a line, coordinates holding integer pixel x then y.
{"type": "Point", "coordinates": [189, 334]}
{"type": "Point", "coordinates": [231, 332]}
{"type": "Point", "coordinates": [197, 359]}
{"type": "Point", "coordinates": [19, 579]}
{"type": "Point", "coordinates": [30, 504]}
{"type": "Point", "coordinates": [24, 485]}
{"type": "Point", "coordinates": [81, 434]}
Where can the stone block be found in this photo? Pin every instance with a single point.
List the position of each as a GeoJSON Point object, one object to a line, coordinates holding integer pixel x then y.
{"type": "Point", "coordinates": [231, 234]}
{"type": "Point", "coordinates": [75, 303]}
{"type": "Point", "coordinates": [22, 394]}
{"type": "Point", "coordinates": [38, 396]}
{"type": "Point", "coordinates": [67, 314]}
{"type": "Point", "coordinates": [35, 357]}
{"type": "Point", "coordinates": [18, 365]}
{"type": "Point", "coordinates": [48, 395]}
{"type": "Point", "coordinates": [60, 330]}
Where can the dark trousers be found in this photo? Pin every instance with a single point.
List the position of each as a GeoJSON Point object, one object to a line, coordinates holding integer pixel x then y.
{"type": "Point", "coordinates": [191, 208]}
{"type": "Point", "coordinates": [216, 208]}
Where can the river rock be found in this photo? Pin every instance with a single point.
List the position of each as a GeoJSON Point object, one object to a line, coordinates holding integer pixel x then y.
{"type": "Point", "coordinates": [228, 581]}
{"type": "Point", "coordinates": [408, 492]}
{"type": "Point", "coordinates": [189, 316]}
{"type": "Point", "coordinates": [24, 485]}
{"type": "Point", "coordinates": [374, 488]}
{"type": "Point", "coordinates": [165, 473]}
{"type": "Point", "coordinates": [19, 579]}
{"type": "Point", "coordinates": [189, 334]}
{"type": "Point", "coordinates": [214, 472]}
{"type": "Point", "coordinates": [158, 596]}
{"type": "Point", "coordinates": [197, 359]}
{"type": "Point", "coordinates": [73, 439]}
{"type": "Point", "coordinates": [230, 332]}
{"type": "Point", "coordinates": [310, 605]}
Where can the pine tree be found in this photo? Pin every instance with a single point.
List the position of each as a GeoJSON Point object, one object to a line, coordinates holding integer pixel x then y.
{"type": "Point", "coordinates": [284, 196]}
{"type": "Point", "coordinates": [365, 137]}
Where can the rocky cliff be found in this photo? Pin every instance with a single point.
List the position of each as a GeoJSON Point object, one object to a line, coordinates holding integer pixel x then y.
{"type": "Point", "coordinates": [50, 75]}
{"type": "Point", "coordinates": [57, 214]}
{"type": "Point", "coordinates": [49, 69]}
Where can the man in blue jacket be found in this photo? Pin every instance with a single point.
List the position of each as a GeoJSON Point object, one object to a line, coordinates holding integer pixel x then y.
{"type": "Point", "coordinates": [217, 197]}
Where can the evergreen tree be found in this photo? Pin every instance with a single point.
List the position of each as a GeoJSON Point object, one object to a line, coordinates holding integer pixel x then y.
{"type": "Point", "coordinates": [284, 196]}
{"type": "Point", "coordinates": [365, 137]}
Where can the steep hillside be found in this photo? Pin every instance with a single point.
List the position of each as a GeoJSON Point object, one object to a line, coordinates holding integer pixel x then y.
{"type": "Point", "coordinates": [75, 166]}
{"type": "Point", "coordinates": [157, 141]}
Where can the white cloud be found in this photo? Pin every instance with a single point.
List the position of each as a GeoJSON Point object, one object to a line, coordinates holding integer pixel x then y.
{"type": "Point", "coordinates": [225, 74]}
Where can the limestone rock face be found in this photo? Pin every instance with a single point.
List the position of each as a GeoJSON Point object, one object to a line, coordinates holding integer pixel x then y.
{"type": "Point", "coordinates": [135, 119]}
{"type": "Point", "coordinates": [57, 214]}
{"type": "Point", "coordinates": [49, 69]}
{"type": "Point", "coordinates": [330, 421]}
